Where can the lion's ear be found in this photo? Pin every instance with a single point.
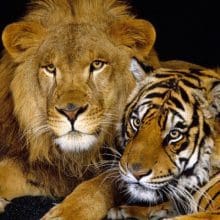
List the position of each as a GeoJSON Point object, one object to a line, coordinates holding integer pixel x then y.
{"type": "Point", "coordinates": [20, 36]}
{"type": "Point", "coordinates": [137, 34]}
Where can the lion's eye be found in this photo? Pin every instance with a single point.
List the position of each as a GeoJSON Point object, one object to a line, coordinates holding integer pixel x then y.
{"type": "Point", "coordinates": [51, 69]}
{"type": "Point", "coordinates": [97, 65]}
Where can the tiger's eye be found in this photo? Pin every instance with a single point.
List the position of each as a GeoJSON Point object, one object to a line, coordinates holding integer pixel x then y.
{"type": "Point", "coordinates": [175, 134]}
{"type": "Point", "coordinates": [137, 122]}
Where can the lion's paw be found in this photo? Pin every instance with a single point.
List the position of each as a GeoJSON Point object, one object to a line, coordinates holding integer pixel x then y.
{"type": "Point", "coordinates": [54, 213]}
{"type": "Point", "coordinates": [118, 213]}
{"type": "Point", "coordinates": [3, 204]}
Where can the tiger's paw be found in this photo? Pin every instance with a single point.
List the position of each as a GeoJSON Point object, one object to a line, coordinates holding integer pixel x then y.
{"type": "Point", "coordinates": [119, 213]}
{"type": "Point", "coordinates": [159, 215]}
{"type": "Point", "coordinates": [140, 213]}
{"type": "Point", "coordinates": [128, 212]}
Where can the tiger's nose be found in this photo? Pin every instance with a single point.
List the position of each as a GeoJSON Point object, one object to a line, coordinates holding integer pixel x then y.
{"type": "Point", "coordinates": [71, 111]}
{"type": "Point", "coordinates": [138, 171]}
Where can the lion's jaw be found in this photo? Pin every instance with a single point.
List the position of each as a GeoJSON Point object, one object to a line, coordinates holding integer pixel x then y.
{"type": "Point", "coordinates": [85, 132]}
{"type": "Point", "coordinates": [77, 136]}
{"type": "Point", "coordinates": [88, 129]}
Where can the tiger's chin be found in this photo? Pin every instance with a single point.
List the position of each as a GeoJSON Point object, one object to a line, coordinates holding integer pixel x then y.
{"type": "Point", "coordinates": [76, 141]}
{"type": "Point", "coordinates": [142, 194]}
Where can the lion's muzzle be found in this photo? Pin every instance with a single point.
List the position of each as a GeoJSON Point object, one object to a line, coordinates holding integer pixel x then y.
{"type": "Point", "coordinates": [71, 111]}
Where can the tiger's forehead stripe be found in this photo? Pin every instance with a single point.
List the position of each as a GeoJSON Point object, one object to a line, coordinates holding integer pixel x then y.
{"type": "Point", "coordinates": [160, 93]}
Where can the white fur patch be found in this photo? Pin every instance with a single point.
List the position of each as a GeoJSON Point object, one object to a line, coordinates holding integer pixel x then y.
{"type": "Point", "coordinates": [76, 141]}
{"type": "Point", "coordinates": [141, 194]}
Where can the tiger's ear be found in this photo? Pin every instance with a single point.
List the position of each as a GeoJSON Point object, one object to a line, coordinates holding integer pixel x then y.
{"type": "Point", "coordinates": [136, 34]}
{"type": "Point", "coordinates": [214, 99]}
{"type": "Point", "coordinates": [214, 107]}
{"type": "Point", "coordinates": [139, 70]}
{"type": "Point", "coordinates": [20, 36]}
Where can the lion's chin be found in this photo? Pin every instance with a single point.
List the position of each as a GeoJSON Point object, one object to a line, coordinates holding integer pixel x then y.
{"type": "Point", "coordinates": [76, 141]}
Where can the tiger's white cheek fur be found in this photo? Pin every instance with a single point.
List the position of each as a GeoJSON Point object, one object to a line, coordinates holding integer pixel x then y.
{"type": "Point", "coordinates": [143, 195]}
{"type": "Point", "coordinates": [76, 142]}
{"type": "Point", "coordinates": [138, 192]}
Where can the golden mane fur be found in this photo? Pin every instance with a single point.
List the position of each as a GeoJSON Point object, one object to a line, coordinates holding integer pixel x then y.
{"type": "Point", "coordinates": [69, 27]}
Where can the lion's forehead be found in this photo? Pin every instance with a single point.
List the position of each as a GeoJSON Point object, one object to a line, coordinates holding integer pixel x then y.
{"type": "Point", "coordinates": [79, 47]}
{"type": "Point", "coordinates": [73, 37]}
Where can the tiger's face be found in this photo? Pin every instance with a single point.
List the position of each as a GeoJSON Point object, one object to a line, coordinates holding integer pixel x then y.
{"type": "Point", "coordinates": [167, 136]}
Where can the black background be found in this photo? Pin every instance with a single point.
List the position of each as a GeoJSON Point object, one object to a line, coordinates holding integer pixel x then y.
{"type": "Point", "coordinates": [185, 30]}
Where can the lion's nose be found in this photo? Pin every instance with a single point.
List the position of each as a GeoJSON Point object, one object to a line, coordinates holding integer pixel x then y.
{"type": "Point", "coordinates": [71, 111]}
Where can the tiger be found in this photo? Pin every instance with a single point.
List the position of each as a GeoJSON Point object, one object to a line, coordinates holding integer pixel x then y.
{"type": "Point", "coordinates": [170, 162]}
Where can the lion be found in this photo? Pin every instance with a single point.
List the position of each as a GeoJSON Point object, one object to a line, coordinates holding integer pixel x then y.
{"type": "Point", "coordinates": [65, 78]}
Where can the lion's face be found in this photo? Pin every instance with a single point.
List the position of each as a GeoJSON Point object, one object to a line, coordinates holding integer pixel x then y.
{"type": "Point", "coordinates": [81, 83]}
{"type": "Point", "coordinates": [71, 84]}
